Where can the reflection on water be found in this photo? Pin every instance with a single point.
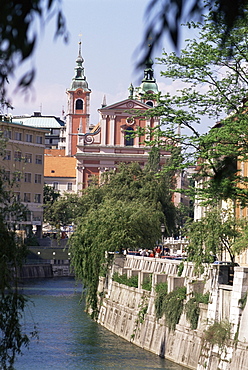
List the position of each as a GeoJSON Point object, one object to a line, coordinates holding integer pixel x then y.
{"type": "Point", "coordinates": [69, 339]}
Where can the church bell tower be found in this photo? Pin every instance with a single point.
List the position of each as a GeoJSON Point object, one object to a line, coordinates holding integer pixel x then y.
{"type": "Point", "coordinates": [78, 108]}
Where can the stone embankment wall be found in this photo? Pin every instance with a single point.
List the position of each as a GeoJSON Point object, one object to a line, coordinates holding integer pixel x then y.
{"type": "Point", "coordinates": [47, 270]}
{"type": "Point", "coordinates": [122, 305]}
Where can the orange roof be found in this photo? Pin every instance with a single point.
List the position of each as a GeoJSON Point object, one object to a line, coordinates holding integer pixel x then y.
{"type": "Point", "coordinates": [55, 152]}
{"type": "Point", "coordinates": [59, 166]}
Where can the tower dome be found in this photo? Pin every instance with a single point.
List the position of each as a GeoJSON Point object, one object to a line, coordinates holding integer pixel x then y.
{"type": "Point", "coordinates": [79, 80]}
{"type": "Point", "coordinates": [148, 84]}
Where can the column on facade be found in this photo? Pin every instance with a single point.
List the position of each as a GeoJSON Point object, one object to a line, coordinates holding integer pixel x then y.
{"type": "Point", "coordinates": [112, 130]}
{"type": "Point", "coordinates": [87, 112]}
{"type": "Point", "coordinates": [79, 177]}
{"type": "Point", "coordinates": [68, 135]}
{"type": "Point", "coordinates": [101, 170]}
{"type": "Point", "coordinates": [122, 137]}
{"type": "Point", "coordinates": [103, 129]}
{"type": "Point", "coordinates": [148, 125]}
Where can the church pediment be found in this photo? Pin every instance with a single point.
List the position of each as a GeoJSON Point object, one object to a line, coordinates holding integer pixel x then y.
{"type": "Point", "coordinates": [124, 106]}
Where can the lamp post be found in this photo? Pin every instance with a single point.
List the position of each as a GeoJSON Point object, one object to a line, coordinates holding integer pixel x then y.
{"type": "Point", "coordinates": [162, 238]}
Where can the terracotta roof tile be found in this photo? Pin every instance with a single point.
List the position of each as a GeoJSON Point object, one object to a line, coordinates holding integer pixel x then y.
{"type": "Point", "coordinates": [59, 166]}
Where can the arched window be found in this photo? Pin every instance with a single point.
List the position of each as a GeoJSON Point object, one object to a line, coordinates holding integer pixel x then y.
{"type": "Point", "coordinates": [129, 140]}
{"type": "Point", "coordinates": [79, 104]}
{"type": "Point", "coordinates": [150, 103]}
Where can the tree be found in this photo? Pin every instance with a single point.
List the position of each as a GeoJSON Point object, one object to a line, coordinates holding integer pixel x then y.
{"type": "Point", "coordinates": [126, 211]}
{"type": "Point", "coordinates": [219, 234]}
{"type": "Point", "coordinates": [214, 88]}
{"type": "Point", "coordinates": [19, 36]}
{"type": "Point", "coordinates": [12, 255]}
{"type": "Point", "coordinates": [167, 16]}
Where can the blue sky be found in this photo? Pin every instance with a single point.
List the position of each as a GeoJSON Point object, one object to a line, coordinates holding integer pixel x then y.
{"type": "Point", "coordinates": [112, 32]}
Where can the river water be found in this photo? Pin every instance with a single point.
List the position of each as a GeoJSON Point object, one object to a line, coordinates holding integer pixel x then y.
{"type": "Point", "coordinates": [69, 340]}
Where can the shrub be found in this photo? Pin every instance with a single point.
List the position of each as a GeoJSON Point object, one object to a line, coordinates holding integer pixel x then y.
{"type": "Point", "coordinates": [123, 279]}
{"type": "Point", "coordinates": [173, 307]}
{"type": "Point", "coordinates": [192, 308]}
{"type": "Point", "coordinates": [218, 333]}
{"type": "Point", "coordinates": [147, 283]}
{"type": "Point", "coordinates": [161, 290]}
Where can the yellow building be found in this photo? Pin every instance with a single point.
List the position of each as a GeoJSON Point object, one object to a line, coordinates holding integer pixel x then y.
{"type": "Point", "coordinates": [23, 162]}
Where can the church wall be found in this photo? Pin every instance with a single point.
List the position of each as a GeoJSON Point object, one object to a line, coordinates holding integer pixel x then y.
{"type": "Point", "coordinates": [118, 131]}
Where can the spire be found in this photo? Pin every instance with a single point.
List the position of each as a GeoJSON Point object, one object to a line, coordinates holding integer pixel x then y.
{"type": "Point", "coordinates": [104, 102]}
{"type": "Point", "coordinates": [79, 80]}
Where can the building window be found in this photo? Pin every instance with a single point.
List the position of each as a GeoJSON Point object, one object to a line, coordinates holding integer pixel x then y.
{"type": "Point", "coordinates": [27, 177]}
{"type": "Point", "coordinates": [17, 176]}
{"type": "Point", "coordinates": [18, 155]}
{"type": "Point", "coordinates": [28, 158]}
{"type": "Point", "coordinates": [7, 155]}
{"type": "Point", "coordinates": [79, 104]}
{"type": "Point", "coordinates": [56, 185]}
{"type": "Point", "coordinates": [36, 218]}
{"type": "Point", "coordinates": [129, 140]}
{"type": "Point", "coordinates": [28, 216]}
{"type": "Point", "coordinates": [27, 197]}
{"type": "Point", "coordinates": [29, 138]}
{"type": "Point", "coordinates": [37, 178]}
{"type": "Point", "coordinates": [6, 175]}
{"type": "Point", "coordinates": [18, 136]}
{"type": "Point", "coordinates": [39, 140]}
{"type": "Point", "coordinates": [7, 134]}
{"type": "Point", "coordinates": [150, 103]}
{"type": "Point", "coordinates": [69, 186]}
{"type": "Point", "coordinates": [37, 198]}
{"type": "Point", "coordinates": [17, 196]}
{"type": "Point", "coordinates": [38, 159]}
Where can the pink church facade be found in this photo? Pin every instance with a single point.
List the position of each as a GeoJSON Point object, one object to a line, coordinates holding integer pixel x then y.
{"type": "Point", "coordinates": [110, 142]}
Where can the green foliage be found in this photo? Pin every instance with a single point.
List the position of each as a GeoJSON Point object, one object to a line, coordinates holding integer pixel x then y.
{"type": "Point", "coordinates": [161, 290]}
{"type": "Point", "coordinates": [214, 81]}
{"type": "Point", "coordinates": [12, 254]}
{"type": "Point", "coordinates": [173, 307]}
{"type": "Point", "coordinates": [143, 307]}
{"type": "Point", "coordinates": [22, 40]}
{"type": "Point", "coordinates": [147, 283]}
{"type": "Point", "coordinates": [166, 18]}
{"type": "Point", "coordinates": [213, 234]}
{"type": "Point", "coordinates": [218, 334]}
{"type": "Point", "coordinates": [123, 279]}
{"type": "Point", "coordinates": [180, 268]}
{"type": "Point", "coordinates": [126, 211]}
{"type": "Point", "coordinates": [242, 301]}
{"type": "Point", "coordinates": [192, 308]}
{"type": "Point", "coordinates": [12, 303]}
{"type": "Point", "coordinates": [50, 195]}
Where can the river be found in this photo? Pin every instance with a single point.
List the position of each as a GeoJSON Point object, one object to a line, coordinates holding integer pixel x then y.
{"type": "Point", "coordinates": [69, 340]}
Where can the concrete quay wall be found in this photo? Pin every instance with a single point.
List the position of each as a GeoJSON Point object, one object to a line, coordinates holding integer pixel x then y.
{"type": "Point", "coordinates": [121, 307]}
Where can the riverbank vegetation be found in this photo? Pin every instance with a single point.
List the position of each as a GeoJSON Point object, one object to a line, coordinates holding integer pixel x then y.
{"type": "Point", "coordinates": [125, 211]}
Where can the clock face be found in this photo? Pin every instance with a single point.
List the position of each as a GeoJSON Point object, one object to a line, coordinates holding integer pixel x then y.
{"type": "Point", "coordinates": [80, 92]}
{"type": "Point", "coordinates": [130, 105]}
